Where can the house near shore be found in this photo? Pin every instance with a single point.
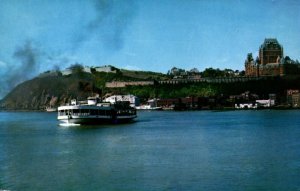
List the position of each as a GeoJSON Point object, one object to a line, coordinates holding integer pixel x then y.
{"type": "Point", "coordinates": [293, 98]}
{"type": "Point", "coordinates": [255, 105]}
{"type": "Point", "coordinates": [245, 106]}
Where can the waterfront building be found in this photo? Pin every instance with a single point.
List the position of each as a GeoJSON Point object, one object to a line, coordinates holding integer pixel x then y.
{"type": "Point", "coordinates": [133, 100]}
{"type": "Point", "coordinates": [260, 103]}
{"type": "Point", "coordinates": [265, 103]}
{"type": "Point", "coordinates": [271, 61]}
{"type": "Point", "coordinates": [293, 98]}
{"type": "Point", "coordinates": [245, 106]}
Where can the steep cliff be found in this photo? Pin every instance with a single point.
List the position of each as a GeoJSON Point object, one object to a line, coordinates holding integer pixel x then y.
{"type": "Point", "coordinates": [39, 93]}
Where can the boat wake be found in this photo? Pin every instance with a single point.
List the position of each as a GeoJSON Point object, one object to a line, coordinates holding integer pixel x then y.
{"type": "Point", "coordinates": [68, 124]}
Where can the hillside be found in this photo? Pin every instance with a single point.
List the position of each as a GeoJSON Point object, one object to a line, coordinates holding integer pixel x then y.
{"type": "Point", "coordinates": [55, 90]}
{"type": "Point", "coordinates": [41, 92]}
{"type": "Point", "coordinates": [144, 75]}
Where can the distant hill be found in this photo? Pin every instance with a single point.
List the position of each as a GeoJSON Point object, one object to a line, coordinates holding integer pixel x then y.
{"type": "Point", "coordinates": [55, 89]}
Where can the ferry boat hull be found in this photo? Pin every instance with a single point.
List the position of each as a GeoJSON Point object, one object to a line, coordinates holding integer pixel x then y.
{"type": "Point", "coordinates": [96, 120]}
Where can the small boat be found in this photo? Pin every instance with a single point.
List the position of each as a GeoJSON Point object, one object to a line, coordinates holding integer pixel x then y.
{"type": "Point", "coordinates": [51, 109]}
{"type": "Point", "coordinates": [148, 107]}
{"type": "Point", "coordinates": [93, 111]}
{"type": "Point", "coordinates": [152, 105]}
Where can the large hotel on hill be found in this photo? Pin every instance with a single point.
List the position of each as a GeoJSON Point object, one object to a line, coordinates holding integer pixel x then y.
{"type": "Point", "coordinates": [271, 61]}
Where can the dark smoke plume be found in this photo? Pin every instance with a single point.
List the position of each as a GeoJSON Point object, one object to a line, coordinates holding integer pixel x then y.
{"type": "Point", "coordinates": [106, 29]}
{"type": "Point", "coordinates": [112, 19]}
{"type": "Point", "coordinates": [28, 66]}
{"type": "Point", "coordinates": [28, 57]}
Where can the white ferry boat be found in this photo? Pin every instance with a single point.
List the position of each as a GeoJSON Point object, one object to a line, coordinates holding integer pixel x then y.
{"type": "Point", "coordinates": [93, 111]}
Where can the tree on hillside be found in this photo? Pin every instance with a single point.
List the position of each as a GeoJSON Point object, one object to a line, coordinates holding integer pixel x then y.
{"type": "Point", "coordinates": [212, 73]}
{"type": "Point", "coordinates": [76, 68]}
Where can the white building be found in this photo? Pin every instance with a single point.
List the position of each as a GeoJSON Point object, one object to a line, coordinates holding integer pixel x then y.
{"type": "Point", "coordinates": [133, 100]}
{"type": "Point", "coordinates": [66, 72]}
{"type": "Point", "coordinates": [69, 71]}
{"type": "Point", "coordinates": [108, 69]}
{"type": "Point", "coordinates": [265, 103]}
{"type": "Point", "coordinates": [87, 69]}
{"type": "Point", "coordinates": [245, 106]}
{"type": "Point", "coordinates": [258, 104]}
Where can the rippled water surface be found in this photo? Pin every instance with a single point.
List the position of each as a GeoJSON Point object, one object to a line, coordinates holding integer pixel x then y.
{"type": "Point", "coordinates": [203, 150]}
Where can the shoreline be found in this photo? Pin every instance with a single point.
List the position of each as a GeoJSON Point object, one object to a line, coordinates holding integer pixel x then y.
{"type": "Point", "coordinates": [162, 110]}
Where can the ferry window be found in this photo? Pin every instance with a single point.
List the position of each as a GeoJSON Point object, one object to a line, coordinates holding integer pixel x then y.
{"type": "Point", "coordinates": [85, 112]}
{"type": "Point", "coordinates": [93, 112]}
{"type": "Point", "coordinates": [75, 111]}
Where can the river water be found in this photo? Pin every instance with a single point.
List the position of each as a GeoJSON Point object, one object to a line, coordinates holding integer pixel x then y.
{"type": "Point", "coordinates": [200, 150]}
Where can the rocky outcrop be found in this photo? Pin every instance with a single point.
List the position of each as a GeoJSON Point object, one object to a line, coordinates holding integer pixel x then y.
{"type": "Point", "coordinates": [39, 93]}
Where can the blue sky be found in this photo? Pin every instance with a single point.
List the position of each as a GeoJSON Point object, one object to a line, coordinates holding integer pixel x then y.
{"type": "Point", "coordinates": [155, 35]}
